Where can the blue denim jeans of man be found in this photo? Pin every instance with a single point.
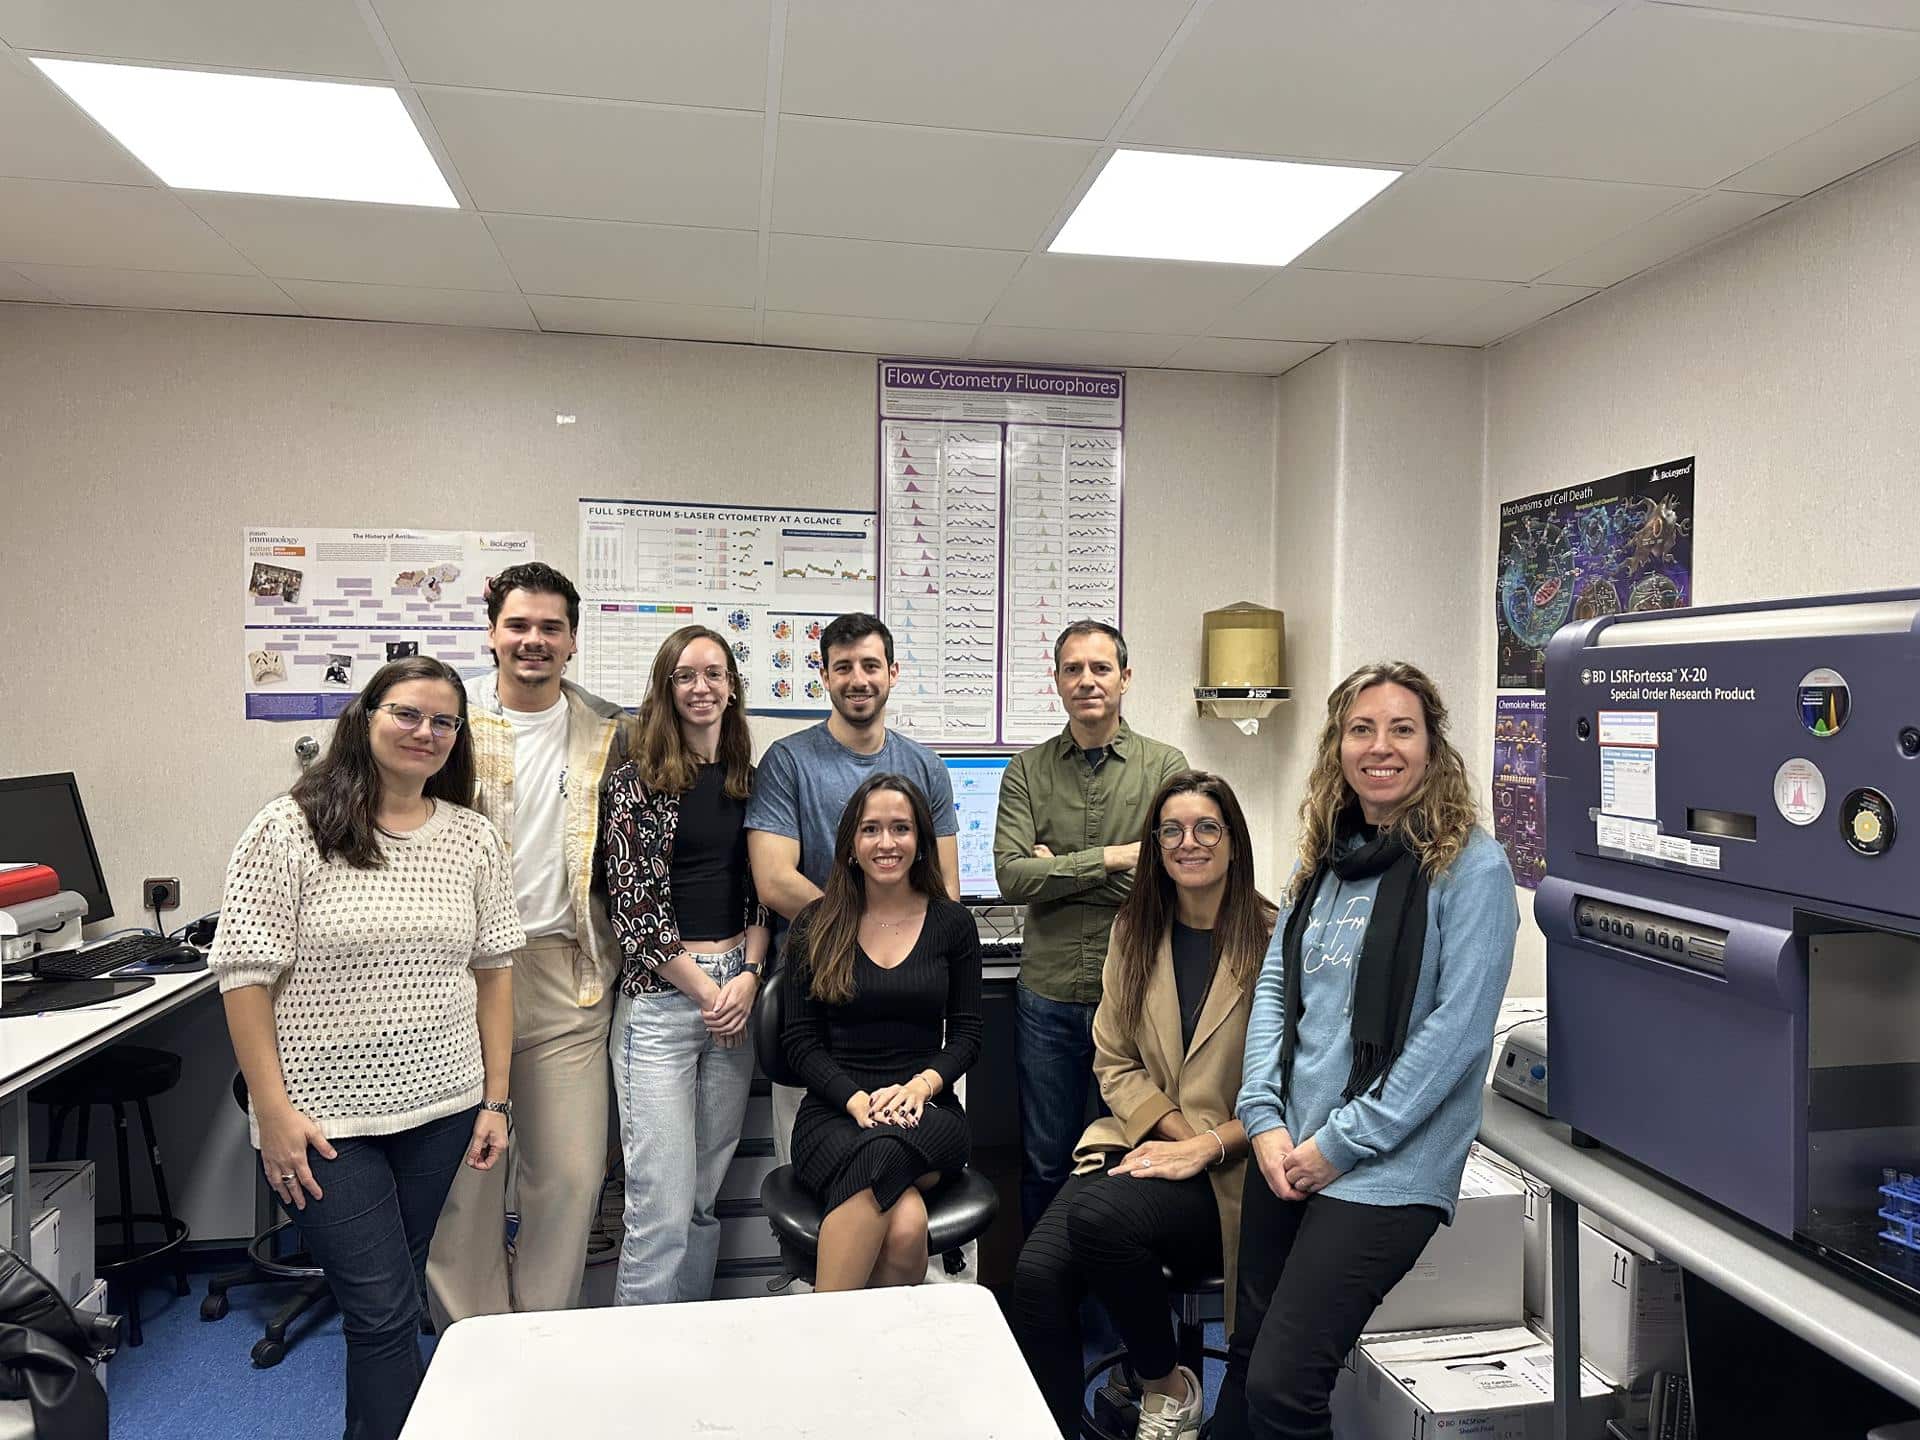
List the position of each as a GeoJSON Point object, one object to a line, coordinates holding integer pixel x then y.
{"type": "Point", "coordinates": [370, 1232]}
{"type": "Point", "coordinates": [683, 1099]}
{"type": "Point", "coordinates": [1054, 1061]}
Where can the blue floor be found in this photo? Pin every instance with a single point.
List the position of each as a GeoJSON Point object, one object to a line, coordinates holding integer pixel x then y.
{"type": "Point", "coordinates": [194, 1378]}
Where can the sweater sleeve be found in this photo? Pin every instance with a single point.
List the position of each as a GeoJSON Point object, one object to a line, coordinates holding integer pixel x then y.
{"type": "Point", "coordinates": [259, 930]}
{"type": "Point", "coordinates": [498, 933]}
{"type": "Point", "coordinates": [961, 939]}
{"type": "Point", "coordinates": [1259, 1104]}
{"type": "Point", "coordinates": [804, 1031]}
{"type": "Point", "coordinates": [1478, 919]}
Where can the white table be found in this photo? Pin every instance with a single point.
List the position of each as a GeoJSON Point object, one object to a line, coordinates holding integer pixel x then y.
{"type": "Point", "coordinates": [34, 1048]}
{"type": "Point", "coordinates": [927, 1362]}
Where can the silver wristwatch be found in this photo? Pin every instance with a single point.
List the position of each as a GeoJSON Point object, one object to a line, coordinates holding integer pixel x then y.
{"type": "Point", "coordinates": [499, 1107]}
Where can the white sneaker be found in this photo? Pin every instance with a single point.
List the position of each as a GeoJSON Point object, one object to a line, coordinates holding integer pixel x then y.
{"type": "Point", "coordinates": [1164, 1418]}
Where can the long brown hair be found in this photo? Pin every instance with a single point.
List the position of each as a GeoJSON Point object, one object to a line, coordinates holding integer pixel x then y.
{"type": "Point", "coordinates": [660, 752]}
{"type": "Point", "coordinates": [1435, 820]}
{"type": "Point", "coordinates": [1241, 930]}
{"type": "Point", "coordinates": [340, 795]}
{"type": "Point", "coordinates": [833, 921]}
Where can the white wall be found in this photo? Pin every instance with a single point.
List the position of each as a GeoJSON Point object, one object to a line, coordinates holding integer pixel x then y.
{"type": "Point", "coordinates": [135, 445]}
{"type": "Point", "coordinates": [1787, 357]}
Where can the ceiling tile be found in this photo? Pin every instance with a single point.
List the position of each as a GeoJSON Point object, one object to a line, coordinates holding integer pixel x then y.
{"type": "Point", "coordinates": [613, 261]}
{"type": "Point", "coordinates": [161, 289]}
{"type": "Point", "coordinates": [710, 53]}
{"type": "Point", "coordinates": [1021, 343]}
{"type": "Point", "coordinates": [1898, 13]}
{"type": "Point", "coordinates": [44, 135]}
{"type": "Point", "coordinates": [1665, 96]}
{"type": "Point", "coordinates": [1664, 237]}
{"type": "Point", "coordinates": [869, 277]}
{"type": "Point", "coordinates": [51, 222]}
{"type": "Point", "coordinates": [1067, 67]}
{"type": "Point", "coordinates": [1096, 292]}
{"type": "Point", "coordinates": [1485, 227]}
{"type": "Point", "coordinates": [409, 304]}
{"type": "Point", "coordinates": [866, 337]}
{"type": "Point", "coordinates": [1259, 357]}
{"type": "Point", "coordinates": [1871, 133]}
{"type": "Point", "coordinates": [373, 244]}
{"type": "Point", "coordinates": [601, 160]}
{"type": "Point", "coordinates": [15, 286]}
{"type": "Point", "coordinates": [925, 187]}
{"type": "Point", "coordinates": [1301, 304]}
{"type": "Point", "coordinates": [651, 318]}
{"type": "Point", "coordinates": [314, 37]}
{"type": "Point", "coordinates": [1515, 310]}
{"type": "Point", "coordinates": [1378, 82]}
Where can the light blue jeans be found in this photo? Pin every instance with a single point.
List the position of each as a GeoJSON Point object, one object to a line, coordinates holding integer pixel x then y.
{"type": "Point", "coordinates": [683, 1099]}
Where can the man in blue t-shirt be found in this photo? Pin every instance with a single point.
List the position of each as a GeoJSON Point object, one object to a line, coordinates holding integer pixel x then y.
{"type": "Point", "coordinates": [804, 782]}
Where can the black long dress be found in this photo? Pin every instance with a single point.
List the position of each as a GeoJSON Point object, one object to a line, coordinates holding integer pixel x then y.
{"type": "Point", "coordinates": [923, 1014]}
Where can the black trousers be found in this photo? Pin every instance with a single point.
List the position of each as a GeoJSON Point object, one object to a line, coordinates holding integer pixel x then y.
{"type": "Point", "coordinates": [1312, 1272]}
{"type": "Point", "coordinates": [1109, 1234]}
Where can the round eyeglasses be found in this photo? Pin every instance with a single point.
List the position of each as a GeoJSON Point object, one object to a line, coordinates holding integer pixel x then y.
{"type": "Point", "coordinates": [444, 727]}
{"type": "Point", "coordinates": [1206, 833]}
{"type": "Point", "coordinates": [683, 678]}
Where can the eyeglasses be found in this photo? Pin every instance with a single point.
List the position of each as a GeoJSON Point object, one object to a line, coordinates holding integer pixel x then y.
{"type": "Point", "coordinates": [684, 677]}
{"type": "Point", "coordinates": [1206, 833]}
{"type": "Point", "coordinates": [444, 726]}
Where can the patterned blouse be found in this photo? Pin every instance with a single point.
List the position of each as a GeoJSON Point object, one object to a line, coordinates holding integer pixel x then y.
{"type": "Point", "coordinates": [637, 825]}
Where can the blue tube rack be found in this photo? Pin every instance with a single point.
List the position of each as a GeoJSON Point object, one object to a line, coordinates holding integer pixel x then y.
{"type": "Point", "coordinates": [1901, 1211]}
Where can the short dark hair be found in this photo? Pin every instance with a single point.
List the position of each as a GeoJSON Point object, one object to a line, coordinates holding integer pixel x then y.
{"type": "Point", "coordinates": [1090, 627]}
{"type": "Point", "coordinates": [850, 629]}
{"type": "Point", "coordinates": [540, 579]}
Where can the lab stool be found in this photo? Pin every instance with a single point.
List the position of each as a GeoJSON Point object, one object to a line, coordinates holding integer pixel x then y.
{"type": "Point", "coordinates": [961, 1208]}
{"type": "Point", "coordinates": [119, 1076]}
{"type": "Point", "coordinates": [267, 1267]}
{"type": "Point", "coordinates": [1112, 1414]}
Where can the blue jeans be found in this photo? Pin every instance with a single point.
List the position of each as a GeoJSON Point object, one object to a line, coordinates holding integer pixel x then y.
{"type": "Point", "coordinates": [1054, 1061]}
{"type": "Point", "coordinates": [370, 1235]}
{"type": "Point", "coordinates": [683, 1099]}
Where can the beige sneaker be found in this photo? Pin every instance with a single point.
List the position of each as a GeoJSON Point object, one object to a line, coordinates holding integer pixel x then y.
{"type": "Point", "coordinates": [1164, 1418]}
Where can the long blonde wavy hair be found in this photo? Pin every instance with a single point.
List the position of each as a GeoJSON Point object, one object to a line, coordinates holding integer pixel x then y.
{"type": "Point", "coordinates": [1435, 821]}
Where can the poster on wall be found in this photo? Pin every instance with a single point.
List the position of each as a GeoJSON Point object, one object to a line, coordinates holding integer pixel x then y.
{"type": "Point", "coordinates": [1000, 504]}
{"type": "Point", "coordinates": [768, 578]}
{"type": "Point", "coordinates": [1620, 544]}
{"type": "Point", "coordinates": [324, 609]}
{"type": "Point", "coordinates": [1519, 784]}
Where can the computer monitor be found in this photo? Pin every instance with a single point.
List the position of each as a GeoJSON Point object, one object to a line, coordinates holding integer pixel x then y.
{"type": "Point", "coordinates": [976, 803]}
{"type": "Point", "coordinates": [43, 822]}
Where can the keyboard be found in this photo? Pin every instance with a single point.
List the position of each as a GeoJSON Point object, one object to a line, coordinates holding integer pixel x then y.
{"type": "Point", "coordinates": [1007, 949]}
{"type": "Point", "coordinates": [92, 961]}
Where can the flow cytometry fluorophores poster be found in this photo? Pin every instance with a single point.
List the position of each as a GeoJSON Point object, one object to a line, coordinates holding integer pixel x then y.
{"type": "Point", "coordinates": [1519, 790]}
{"type": "Point", "coordinates": [324, 609]}
{"type": "Point", "coordinates": [1620, 544]}
{"type": "Point", "coordinates": [1000, 505]}
{"type": "Point", "coordinates": [767, 578]}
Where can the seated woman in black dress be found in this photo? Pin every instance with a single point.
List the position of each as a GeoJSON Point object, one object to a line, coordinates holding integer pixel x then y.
{"type": "Point", "coordinates": [882, 1020]}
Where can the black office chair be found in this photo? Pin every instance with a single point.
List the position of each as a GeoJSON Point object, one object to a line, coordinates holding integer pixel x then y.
{"type": "Point", "coordinates": [264, 1267]}
{"type": "Point", "coordinates": [959, 1209]}
{"type": "Point", "coordinates": [119, 1076]}
{"type": "Point", "coordinates": [1114, 1411]}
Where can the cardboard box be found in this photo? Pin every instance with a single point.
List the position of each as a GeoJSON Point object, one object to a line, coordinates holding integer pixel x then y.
{"type": "Point", "coordinates": [44, 1254]}
{"type": "Point", "coordinates": [1471, 1271]}
{"type": "Point", "coordinates": [68, 1187]}
{"type": "Point", "coordinates": [1537, 1250]}
{"type": "Point", "coordinates": [95, 1303]}
{"type": "Point", "coordinates": [1632, 1317]}
{"type": "Point", "coordinates": [1491, 1384]}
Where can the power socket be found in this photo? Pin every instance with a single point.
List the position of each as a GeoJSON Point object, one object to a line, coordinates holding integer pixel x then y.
{"type": "Point", "coordinates": [161, 894]}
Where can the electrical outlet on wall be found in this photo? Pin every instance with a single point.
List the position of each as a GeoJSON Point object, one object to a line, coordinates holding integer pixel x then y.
{"type": "Point", "coordinates": [161, 894]}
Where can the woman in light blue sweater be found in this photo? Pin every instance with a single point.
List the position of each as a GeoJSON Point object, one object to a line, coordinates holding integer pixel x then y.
{"type": "Point", "coordinates": [1367, 1046]}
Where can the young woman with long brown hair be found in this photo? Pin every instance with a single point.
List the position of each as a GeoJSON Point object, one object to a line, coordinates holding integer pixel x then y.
{"type": "Point", "coordinates": [1156, 1183]}
{"type": "Point", "coordinates": [693, 938]}
{"type": "Point", "coordinates": [882, 1020]}
{"type": "Point", "coordinates": [1367, 1048]}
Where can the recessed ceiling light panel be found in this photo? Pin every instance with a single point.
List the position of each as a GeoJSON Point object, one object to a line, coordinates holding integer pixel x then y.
{"type": "Point", "coordinates": [258, 134]}
{"type": "Point", "coordinates": [1153, 205]}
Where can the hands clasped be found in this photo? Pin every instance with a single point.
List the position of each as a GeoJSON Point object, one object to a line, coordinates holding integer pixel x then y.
{"type": "Point", "coordinates": [890, 1105]}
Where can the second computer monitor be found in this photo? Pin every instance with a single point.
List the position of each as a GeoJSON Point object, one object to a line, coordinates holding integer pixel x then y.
{"type": "Point", "coordinates": [976, 803]}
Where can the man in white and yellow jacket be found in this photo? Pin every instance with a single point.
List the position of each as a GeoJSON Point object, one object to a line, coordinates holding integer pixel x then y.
{"type": "Point", "coordinates": [541, 747]}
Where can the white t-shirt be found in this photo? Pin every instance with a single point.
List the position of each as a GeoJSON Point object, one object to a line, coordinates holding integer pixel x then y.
{"type": "Point", "coordinates": [539, 820]}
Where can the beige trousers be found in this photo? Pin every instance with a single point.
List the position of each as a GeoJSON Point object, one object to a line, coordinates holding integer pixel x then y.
{"type": "Point", "coordinates": [558, 1156]}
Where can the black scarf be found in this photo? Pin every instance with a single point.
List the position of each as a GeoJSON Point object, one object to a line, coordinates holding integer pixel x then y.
{"type": "Point", "coordinates": [1389, 961]}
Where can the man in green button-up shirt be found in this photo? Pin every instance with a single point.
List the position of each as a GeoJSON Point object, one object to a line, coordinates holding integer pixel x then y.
{"type": "Point", "coordinates": [1065, 845]}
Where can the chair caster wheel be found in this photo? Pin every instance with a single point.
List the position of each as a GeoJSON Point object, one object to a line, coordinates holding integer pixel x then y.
{"type": "Point", "coordinates": [214, 1307]}
{"type": "Point", "coordinates": [268, 1353]}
